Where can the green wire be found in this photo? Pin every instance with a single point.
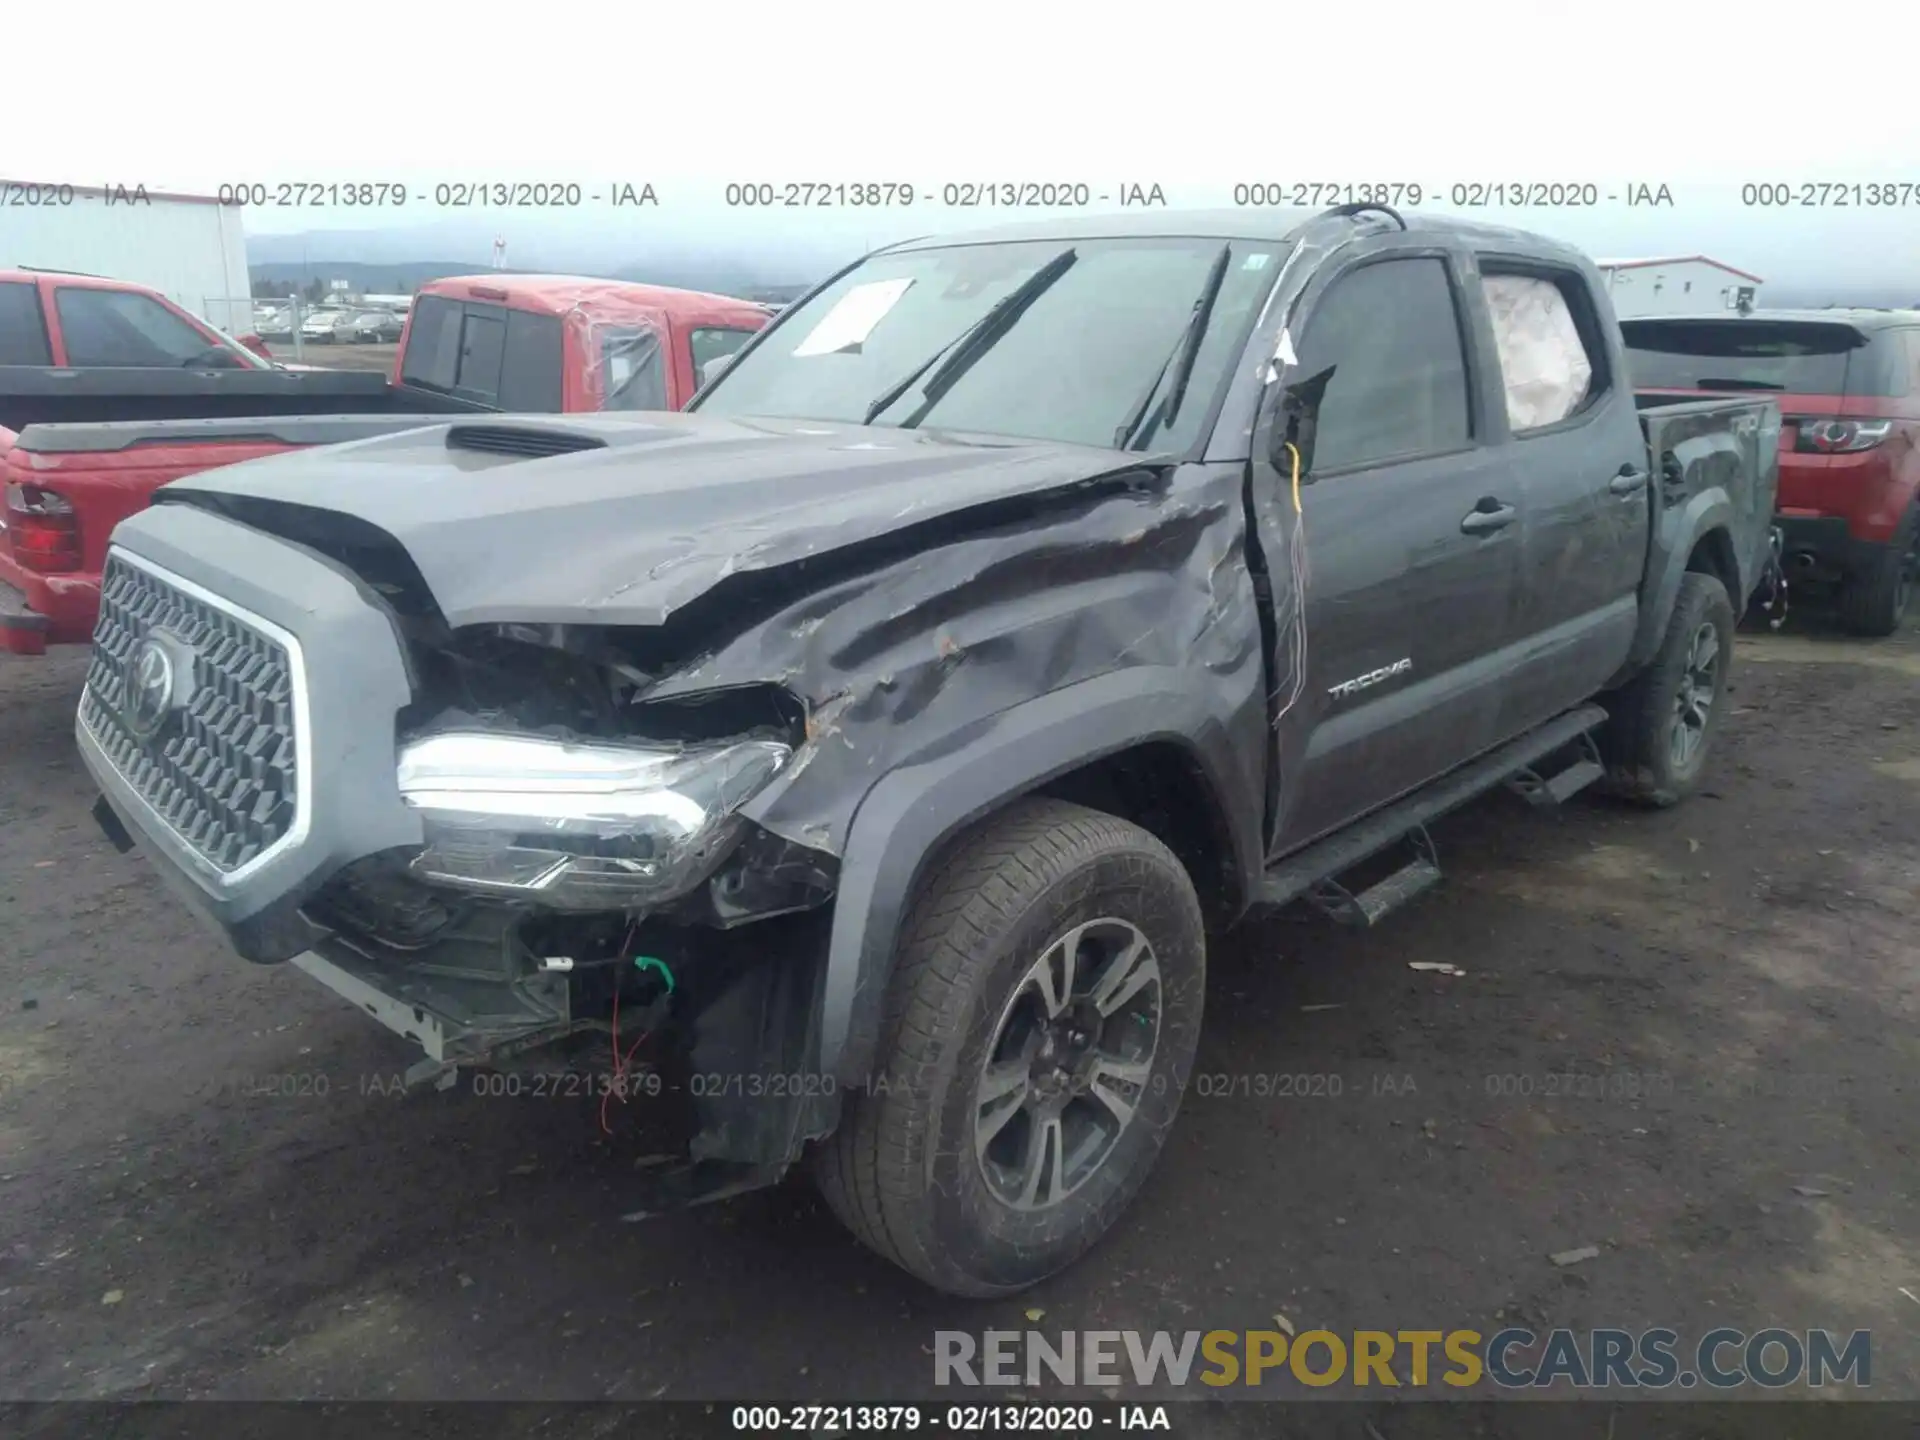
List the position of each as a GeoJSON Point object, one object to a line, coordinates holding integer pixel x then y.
{"type": "Point", "coordinates": [648, 962]}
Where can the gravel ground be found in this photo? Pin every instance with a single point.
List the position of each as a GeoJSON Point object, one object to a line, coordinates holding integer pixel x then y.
{"type": "Point", "coordinates": [1731, 986]}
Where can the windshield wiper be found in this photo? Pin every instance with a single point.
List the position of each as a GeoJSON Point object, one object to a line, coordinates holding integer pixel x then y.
{"type": "Point", "coordinates": [957, 356]}
{"type": "Point", "coordinates": [1708, 383]}
{"type": "Point", "coordinates": [1180, 360]}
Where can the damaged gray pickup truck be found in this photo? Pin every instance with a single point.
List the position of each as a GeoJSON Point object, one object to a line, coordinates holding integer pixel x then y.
{"type": "Point", "coordinates": [879, 741]}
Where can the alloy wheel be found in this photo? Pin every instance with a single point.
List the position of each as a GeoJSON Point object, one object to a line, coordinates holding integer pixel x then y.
{"type": "Point", "coordinates": [1693, 705]}
{"type": "Point", "coordinates": [1068, 1064]}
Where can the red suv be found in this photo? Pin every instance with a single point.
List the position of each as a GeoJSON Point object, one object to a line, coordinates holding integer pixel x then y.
{"type": "Point", "coordinates": [1849, 388]}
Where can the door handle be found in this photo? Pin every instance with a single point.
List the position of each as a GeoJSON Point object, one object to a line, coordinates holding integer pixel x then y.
{"type": "Point", "coordinates": [1487, 517]}
{"type": "Point", "coordinates": [1628, 482]}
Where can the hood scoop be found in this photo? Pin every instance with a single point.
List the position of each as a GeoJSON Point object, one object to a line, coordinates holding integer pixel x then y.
{"type": "Point", "coordinates": [522, 442]}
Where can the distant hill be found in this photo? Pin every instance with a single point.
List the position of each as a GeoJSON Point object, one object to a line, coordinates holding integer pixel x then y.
{"type": "Point", "coordinates": [743, 260]}
{"type": "Point", "coordinates": [396, 279]}
{"type": "Point", "coordinates": [405, 277]}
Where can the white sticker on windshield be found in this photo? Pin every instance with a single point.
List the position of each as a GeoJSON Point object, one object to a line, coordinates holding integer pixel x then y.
{"type": "Point", "coordinates": [852, 320]}
{"type": "Point", "coordinates": [1255, 261]}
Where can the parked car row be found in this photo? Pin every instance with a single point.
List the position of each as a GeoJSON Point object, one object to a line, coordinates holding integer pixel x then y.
{"type": "Point", "coordinates": [330, 324]}
{"type": "Point", "coordinates": [352, 327]}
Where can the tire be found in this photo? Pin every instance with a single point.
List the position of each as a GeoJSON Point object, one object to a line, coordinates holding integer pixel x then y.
{"type": "Point", "coordinates": [1639, 744]}
{"type": "Point", "coordinates": [905, 1170]}
{"type": "Point", "coordinates": [1875, 602]}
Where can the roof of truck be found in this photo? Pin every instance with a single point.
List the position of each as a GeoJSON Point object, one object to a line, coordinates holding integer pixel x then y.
{"type": "Point", "coordinates": [563, 294]}
{"type": "Point", "coordinates": [1274, 225]}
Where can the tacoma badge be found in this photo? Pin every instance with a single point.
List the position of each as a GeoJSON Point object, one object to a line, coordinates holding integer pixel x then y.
{"type": "Point", "coordinates": [1372, 677]}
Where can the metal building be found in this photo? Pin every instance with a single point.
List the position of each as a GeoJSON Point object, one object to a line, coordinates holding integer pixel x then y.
{"type": "Point", "coordinates": [191, 248]}
{"type": "Point", "coordinates": [1677, 285]}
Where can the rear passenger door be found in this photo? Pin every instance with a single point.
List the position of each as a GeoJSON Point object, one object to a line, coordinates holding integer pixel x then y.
{"type": "Point", "coordinates": [1410, 546]}
{"type": "Point", "coordinates": [1574, 441]}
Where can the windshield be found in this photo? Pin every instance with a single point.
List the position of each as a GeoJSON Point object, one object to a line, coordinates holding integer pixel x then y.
{"type": "Point", "coordinates": [1070, 365]}
{"type": "Point", "coordinates": [1794, 357]}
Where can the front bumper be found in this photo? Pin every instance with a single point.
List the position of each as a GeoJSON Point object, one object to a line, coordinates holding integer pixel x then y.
{"type": "Point", "coordinates": [350, 683]}
{"type": "Point", "coordinates": [454, 1018]}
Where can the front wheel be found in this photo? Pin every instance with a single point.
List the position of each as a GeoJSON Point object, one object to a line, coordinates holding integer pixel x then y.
{"type": "Point", "coordinates": [1661, 725]}
{"type": "Point", "coordinates": [1039, 1030]}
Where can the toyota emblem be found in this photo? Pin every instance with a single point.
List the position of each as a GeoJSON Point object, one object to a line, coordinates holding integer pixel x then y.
{"type": "Point", "coordinates": [149, 689]}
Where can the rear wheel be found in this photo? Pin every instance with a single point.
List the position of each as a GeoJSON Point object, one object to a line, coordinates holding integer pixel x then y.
{"type": "Point", "coordinates": [1039, 1029]}
{"type": "Point", "coordinates": [1661, 725]}
{"type": "Point", "coordinates": [1875, 601]}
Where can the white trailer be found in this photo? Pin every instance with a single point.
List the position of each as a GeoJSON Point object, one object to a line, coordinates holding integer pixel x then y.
{"type": "Point", "coordinates": [1677, 285]}
{"type": "Point", "coordinates": [191, 248]}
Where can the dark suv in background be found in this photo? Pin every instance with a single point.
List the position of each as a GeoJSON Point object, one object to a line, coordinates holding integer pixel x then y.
{"type": "Point", "coordinates": [1848, 382]}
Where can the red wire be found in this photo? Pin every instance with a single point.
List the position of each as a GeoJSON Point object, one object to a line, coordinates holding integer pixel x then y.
{"type": "Point", "coordinates": [620, 1062]}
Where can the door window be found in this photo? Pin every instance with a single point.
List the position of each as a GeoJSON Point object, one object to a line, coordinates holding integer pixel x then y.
{"type": "Point", "coordinates": [23, 334]}
{"type": "Point", "coordinates": [633, 373]}
{"type": "Point", "coordinates": [483, 344]}
{"type": "Point", "coordinates": [1389, 333]}
{"type": "Point", "coordinates": [1545, 366]}
{"type": "Point", "coordinates": [531, 368]}
{"type": "Point", "coordinates": [712, 343]}
{"type": "Point", "coordinates": [120, 327]}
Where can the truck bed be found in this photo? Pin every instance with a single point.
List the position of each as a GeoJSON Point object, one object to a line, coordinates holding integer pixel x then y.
{"type": "Point", "coordinates": [109, 471]}
{"type": "Point", "coordinates": [36, 395]}
{"type": "Point", "coordinates": [1700, 446]}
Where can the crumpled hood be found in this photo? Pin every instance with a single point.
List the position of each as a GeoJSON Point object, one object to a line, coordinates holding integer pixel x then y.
{"type": "Point", "coordinates": [629, 533]}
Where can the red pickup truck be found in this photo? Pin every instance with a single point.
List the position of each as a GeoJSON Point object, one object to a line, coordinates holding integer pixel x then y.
{"type": "Point", "coordinates": [519, 343]}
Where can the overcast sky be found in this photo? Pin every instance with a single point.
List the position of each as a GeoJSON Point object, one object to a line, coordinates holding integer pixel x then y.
{"type": "Point", "coordinates": [1195, 97]}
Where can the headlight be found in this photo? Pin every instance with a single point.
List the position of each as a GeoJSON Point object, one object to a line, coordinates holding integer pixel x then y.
{"type": "Point", "coordinates": [577, 827]}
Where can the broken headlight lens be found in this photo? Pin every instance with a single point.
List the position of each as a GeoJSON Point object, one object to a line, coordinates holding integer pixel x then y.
{"type": "Point", "coordinates": [577, 826]}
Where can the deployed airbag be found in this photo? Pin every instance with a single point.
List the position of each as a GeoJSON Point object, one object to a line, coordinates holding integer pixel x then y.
{"type": "Point", "coordinates": [1542, 359]}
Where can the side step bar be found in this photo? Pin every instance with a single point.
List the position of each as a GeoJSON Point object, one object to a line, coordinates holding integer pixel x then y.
{"type": "Point", "coordinates": [1546, 791]}
{"type": "Point", "coordinates": [1376, 902]}
{"type": "Point", "coordinates": [1313, 872]}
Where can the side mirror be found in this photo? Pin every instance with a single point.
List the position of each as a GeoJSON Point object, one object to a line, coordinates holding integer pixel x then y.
{"type": "Point", "coordinates": [257, 346]}
{"type": "Point", "coordinates": [1295, 421]}
{"type": "Point", "coordinates": [711, 371]}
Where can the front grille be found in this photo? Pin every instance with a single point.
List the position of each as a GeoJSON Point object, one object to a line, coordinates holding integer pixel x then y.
{"type": "Point", "coordinates": [221, 768]}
